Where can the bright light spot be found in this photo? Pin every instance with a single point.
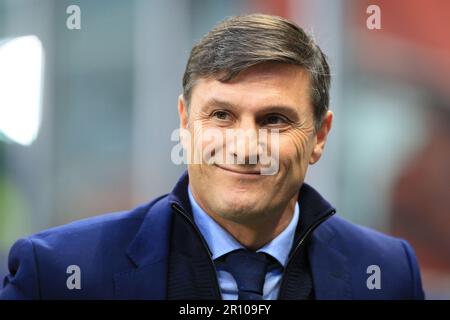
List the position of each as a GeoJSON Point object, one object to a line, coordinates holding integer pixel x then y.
{"type": "Point", "coordinates": [21, 73]}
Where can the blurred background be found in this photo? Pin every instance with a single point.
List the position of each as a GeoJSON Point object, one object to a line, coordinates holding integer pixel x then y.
{"type": "Point", "coordinates": [86, 114]}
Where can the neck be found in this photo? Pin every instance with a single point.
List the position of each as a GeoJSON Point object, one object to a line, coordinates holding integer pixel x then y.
{"type": "Point", "coordinates": [256, 234]}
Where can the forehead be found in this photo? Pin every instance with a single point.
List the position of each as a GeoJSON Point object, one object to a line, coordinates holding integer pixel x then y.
{"type": "Point", "coordinates": [260, 85]}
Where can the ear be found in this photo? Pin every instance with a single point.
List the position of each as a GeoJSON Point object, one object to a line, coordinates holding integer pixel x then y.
{"type": "Point", "coordinates": [182, 112]}
{"type": "Point", "coordinates": [321, 138]}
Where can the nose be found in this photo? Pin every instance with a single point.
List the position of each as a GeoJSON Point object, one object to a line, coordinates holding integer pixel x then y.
{"type": "Point", "coordinates": [242, 142]}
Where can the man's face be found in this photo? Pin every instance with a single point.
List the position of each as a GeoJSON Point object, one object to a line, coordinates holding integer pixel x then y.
{"type": "Point", "coordinates": [267, 96]}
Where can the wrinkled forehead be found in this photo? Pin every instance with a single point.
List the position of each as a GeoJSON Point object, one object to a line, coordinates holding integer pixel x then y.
{"type": "Point", "coordinates": [262, 85]}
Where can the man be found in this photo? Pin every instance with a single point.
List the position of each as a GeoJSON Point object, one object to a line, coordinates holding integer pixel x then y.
{"type": "Point", "coordinates": [228, 231]}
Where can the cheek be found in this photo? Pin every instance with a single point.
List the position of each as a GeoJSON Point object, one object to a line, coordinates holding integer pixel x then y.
{"type": "Point", "coordinates": [203, 139]}
{"type": "Point", "coordinates": [295, 149]}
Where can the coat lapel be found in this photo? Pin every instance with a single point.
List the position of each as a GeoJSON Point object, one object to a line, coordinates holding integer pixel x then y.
{"type": "Point", "coordinates": [149, 251]}
{"type": "Point", "coordinates": [329, 266]}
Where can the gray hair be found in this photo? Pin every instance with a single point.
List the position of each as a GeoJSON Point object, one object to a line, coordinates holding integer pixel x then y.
{"type": "Point", "coordinates": [240, 42]}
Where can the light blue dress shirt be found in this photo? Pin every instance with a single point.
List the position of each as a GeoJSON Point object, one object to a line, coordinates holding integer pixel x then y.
{"type": "Point", "coordinates": [220, 242]}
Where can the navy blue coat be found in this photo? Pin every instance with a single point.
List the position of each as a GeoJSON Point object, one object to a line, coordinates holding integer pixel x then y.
{"type": "Point", "coordinates": [125, 256]}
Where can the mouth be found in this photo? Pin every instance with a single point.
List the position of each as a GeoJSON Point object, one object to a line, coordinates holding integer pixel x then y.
{"type": "Point", "coordinates": [240, 171]}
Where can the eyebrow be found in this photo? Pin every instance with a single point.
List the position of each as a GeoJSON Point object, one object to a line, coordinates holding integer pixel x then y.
{"type": "Point", "coordinates": [284, 109]}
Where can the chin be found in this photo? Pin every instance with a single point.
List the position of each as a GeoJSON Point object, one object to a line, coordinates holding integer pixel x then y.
{"type": "Point", "coordinates": [240, 208]}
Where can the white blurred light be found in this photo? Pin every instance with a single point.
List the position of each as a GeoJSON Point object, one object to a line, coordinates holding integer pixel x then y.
{"type": "Point", "coordinates": [21, 73]}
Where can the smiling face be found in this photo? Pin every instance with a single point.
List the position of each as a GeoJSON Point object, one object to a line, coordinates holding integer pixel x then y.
{"type": "Point", "coordinates": [266, 96]}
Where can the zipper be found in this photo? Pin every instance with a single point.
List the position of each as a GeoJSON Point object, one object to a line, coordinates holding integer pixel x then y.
{"type": "Point", "coordinates": [297, 247]}
{"type": "Point", "coordinates": [211, 262]}
{"type": "Point", "coordinates": [205, 245]}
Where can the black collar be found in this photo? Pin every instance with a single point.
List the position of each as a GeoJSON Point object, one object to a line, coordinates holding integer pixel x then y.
{"type": "Point", "coordinates": [314, 209]}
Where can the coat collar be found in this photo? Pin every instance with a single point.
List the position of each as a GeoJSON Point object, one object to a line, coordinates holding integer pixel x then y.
{"type": "Point", "coordinates": [149, 250]}
{"type": "Point", "coordinates": [329, 265]}
{"type": "Point", "coordinates": [151, 243]}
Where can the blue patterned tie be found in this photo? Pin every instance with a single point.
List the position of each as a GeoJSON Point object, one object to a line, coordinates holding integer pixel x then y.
{"type": "Point", "coordinates": [249, 270]}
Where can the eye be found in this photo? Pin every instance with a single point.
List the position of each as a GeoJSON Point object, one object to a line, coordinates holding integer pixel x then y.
{"type": "Point", "coordinates": [275, 120]}
{"type": "Point", "coordinates": [221, 115]}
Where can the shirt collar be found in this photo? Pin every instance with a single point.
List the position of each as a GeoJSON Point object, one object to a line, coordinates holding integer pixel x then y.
{"type": "Point", "coordinates": [220, 242]}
